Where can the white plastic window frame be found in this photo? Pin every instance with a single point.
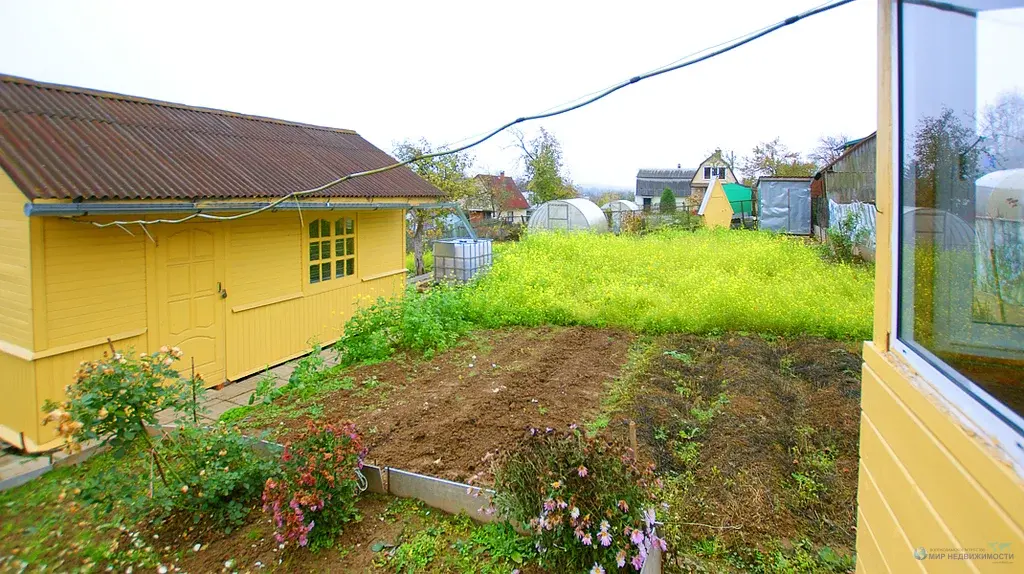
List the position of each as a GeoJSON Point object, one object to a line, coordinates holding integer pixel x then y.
{"type": "Point", "coordinates": [974, 408]}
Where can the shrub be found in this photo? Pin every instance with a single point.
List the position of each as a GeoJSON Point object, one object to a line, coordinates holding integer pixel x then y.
{"type": "Point", "coordinates": [316, 495]}
{"type": "Point", "coordinates": [668, 202]}
{"type": "Point", "coordinates": [113, 398]}
{"type": "Point", "coordinates": [423, 322]}
{"type": "Point", "coordinates": [587, 503]}
{"type": "Point", "coordinates": [845, 236]}
{"type": "Point", "coordinates": [221, 475]}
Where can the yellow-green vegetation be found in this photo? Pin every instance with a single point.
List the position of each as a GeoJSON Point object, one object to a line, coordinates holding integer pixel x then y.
{"type": "Point", "coordinates": [697, 282]}
{"type": "Point", "coordinates": [428, 261]}
{"type": "Point", "coordinates": [437, 542]}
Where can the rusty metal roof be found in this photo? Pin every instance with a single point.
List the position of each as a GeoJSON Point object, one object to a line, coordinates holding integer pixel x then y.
{"type": "Point", "coordinates": [62, 142]}
{"type": "Point", "coordinates": [510, 196]}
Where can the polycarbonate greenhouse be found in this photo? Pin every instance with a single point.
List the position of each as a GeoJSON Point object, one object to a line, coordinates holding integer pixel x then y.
{"type": "Point", "coordinates": [616, 209]}
{"type": "Point", "coordinates": [571, 214]}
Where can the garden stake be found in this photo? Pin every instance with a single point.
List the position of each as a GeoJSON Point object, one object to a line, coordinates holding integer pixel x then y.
{"type": "Point", "coordinates": [195, 419]}
{"type": "Point", "coordinates": [632, 436]}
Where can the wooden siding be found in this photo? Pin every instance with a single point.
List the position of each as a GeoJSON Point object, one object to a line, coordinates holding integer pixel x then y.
{"type": "Point", "coordinates": [18, 412]}
{"type": "Point", "coordinates": [924, 480]}
{"type": "Point", "coordinates": [272, 249]}
{"type": "Point", "coordinates": [266, 257]}
{"type": "Point", "coordinates": [15, 268]}
{"type": "Point", "coordinates": [95, 281]}
{"type": "Point", "coordinates": [89, 284]}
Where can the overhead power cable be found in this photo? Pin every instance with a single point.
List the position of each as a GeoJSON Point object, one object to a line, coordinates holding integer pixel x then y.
{"type": "Point", "coordinates": [678, 65]}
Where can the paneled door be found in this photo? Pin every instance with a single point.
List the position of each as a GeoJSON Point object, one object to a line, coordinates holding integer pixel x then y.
{"type": "Point", "coordinates": [190, 297]}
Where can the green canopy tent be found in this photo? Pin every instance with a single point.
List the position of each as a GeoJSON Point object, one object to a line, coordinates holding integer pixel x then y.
{"type": "Point", "coordinates": [740, 199]}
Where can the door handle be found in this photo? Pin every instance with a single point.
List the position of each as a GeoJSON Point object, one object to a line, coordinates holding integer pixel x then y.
{"type": "Point", "coordinates": [224, 294]}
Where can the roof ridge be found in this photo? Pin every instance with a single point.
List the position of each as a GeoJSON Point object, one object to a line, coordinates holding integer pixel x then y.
{"type": "Point", "coordinates": [179, 130]}
{"type": "Point", "coordinates": [8, 78]}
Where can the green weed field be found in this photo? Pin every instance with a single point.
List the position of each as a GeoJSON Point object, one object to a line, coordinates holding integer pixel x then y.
{"type": "Point", "coordinates": [703, 281]}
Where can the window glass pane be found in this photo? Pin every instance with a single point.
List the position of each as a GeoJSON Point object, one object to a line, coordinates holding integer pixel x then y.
{"type": "Point", "coordinates": [707, 173]}
{"type": "Point", "coordinates": [325, 228]}
{"type": "Point", "coordinates": [325, 271]}
{"type": "Point", "coordinates": [314, 251]}
{"type": "Point", "coordinates": [350, 225]}
{"type": "Point", "coordinates": [350, 246]}
{"type": "Point", "coordinates": [339, 226]}
{"type": "Point", "coordinates": [314, 230]}
{"type": "Point", "coordinates": [339, 248]}
{"type": "Point", "coordinates": [314, 273]}
{"type": "Point", "coordinates": [350, 266]}
{"type": "Point", "coordinates": [325, 249]}
{"type": "Point", "coordinates": [961, 244]}
{"type": "Point", "coordinates": [340, 269]}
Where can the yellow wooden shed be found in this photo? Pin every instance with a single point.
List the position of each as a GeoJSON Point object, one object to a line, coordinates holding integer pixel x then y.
{"type": "Point", "coordinates": [942, 434]}
{"type": "Point", "coordinates": [715, 207]}
{"type": "Point", "coordinates": [236, 295]}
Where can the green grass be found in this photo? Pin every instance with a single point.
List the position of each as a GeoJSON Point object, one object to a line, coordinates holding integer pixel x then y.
{"type": "Point", "coordinates": [442, 542]}
{"type": "Point", "coordinates": [428, 262]}
{"type": "Point", "coordinates": [64, 520]}
{"type": "Point", "coordinates": [699, 282]}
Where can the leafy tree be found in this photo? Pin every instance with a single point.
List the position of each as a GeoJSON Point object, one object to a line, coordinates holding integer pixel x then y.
{"type": "Point", "coordinates": [774, 158]}
{"type": "Point", "coordinates": [829, 149]}
{"type": "Point", "coordinates": [447, 173]}
{"type": "Point", "coordinates": [610, 196]}
{"type": "Point", "coordinates": [796, 168]}
{"type": "Point", "coordinates": [491, 195]}
{"type": "Point", "coordinates": [945, 162]}
{"type": "Point", "coordinates": [545, 173]}
{"type": "Point", "coordinates": [668, 202]}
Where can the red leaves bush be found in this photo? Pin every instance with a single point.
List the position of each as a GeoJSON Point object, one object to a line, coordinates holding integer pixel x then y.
{"type": "Point", "coordinates": [316, 495]}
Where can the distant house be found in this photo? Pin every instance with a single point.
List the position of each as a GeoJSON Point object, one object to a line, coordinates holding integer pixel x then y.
{"type": "Point", "coordinates": [651, 183]}
{"type": "Point", "coordinates": [714, 167]}
{"type": "Point", "coordinates": [844, 185]}
{"type": "Point", "coordinates": [499, 198]}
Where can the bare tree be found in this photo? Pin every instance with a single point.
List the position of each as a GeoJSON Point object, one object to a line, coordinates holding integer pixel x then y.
{"type": "Point", "coordinates": [1002, 125]}
{"type": "Point", "coordinates": [829, 149]}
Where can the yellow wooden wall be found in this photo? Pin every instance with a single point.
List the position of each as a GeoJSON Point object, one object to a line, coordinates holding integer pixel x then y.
{"type": "Point", "coordinates": [267, 284]}
{"type": "Point", "coordinates": [73, 285]}
{"type": "Point", "coordinates": [924, 480]}
{"type": "Point", "coordinates": [15, 272]}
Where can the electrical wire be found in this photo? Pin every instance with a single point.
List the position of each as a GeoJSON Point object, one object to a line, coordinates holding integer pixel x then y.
{"type": "Point", "coordinates": [594, 97]}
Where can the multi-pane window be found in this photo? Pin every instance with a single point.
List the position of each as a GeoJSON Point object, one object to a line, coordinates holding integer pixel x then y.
{"type": "Point", "coordinates": [332, 249]}
{"type": "Point", "coordinates": [960, 244]}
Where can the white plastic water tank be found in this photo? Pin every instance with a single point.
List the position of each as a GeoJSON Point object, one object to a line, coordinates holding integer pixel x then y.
{"type": "Point", "coordinates": [461, 259]}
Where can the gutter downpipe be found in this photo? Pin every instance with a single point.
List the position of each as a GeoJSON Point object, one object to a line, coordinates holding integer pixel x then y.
{"type": "Point", "coordinates": [81, 209]}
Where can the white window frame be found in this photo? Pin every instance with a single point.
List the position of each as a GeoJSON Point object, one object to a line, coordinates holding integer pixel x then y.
{"type": "Point", "coordinates": [974, 409]}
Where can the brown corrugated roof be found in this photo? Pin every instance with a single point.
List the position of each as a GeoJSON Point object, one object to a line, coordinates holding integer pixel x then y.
{"type": "Point", "coordinates": [61, 142]}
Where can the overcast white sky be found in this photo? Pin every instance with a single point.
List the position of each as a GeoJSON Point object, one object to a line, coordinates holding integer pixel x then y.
{"type": "Point", "coordinates": [446, 70]}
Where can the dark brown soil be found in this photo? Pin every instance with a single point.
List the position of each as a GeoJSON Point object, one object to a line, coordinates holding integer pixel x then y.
{"type": "Point", "coordinates": [783, 407]}
{"type": "Point", "coordinates": [253, 548]}
{"type": "Point", "coordinates": [440, 417]}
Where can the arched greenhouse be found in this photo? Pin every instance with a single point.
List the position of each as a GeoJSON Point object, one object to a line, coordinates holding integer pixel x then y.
{"type": "Point", "coordinates": [570, 214]}
{"type": "Point", "coordinates": [615, 210]}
